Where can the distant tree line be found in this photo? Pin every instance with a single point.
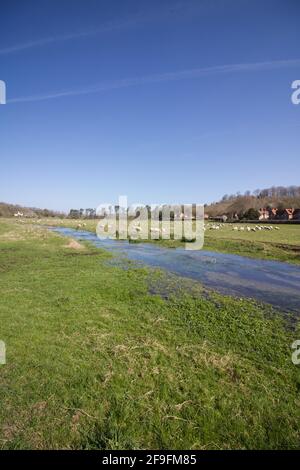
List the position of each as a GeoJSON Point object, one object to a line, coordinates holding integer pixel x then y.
{"type": "Point", "coordinates": [273, 192]}
{"type": "Point", "coordinates": [82, 214]}
{"type": "Point", "coordinates": [134, 211]}
{"type": "Point", "coordinates": [8, 210]}
{"type": "Point", "coordinates": [247, 205]}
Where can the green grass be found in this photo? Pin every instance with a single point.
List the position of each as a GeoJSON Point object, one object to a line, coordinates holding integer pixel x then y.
{"type": "Point", "coordinates": [281, 245]}
{"type": "Point", "coordinates": [95, 361]}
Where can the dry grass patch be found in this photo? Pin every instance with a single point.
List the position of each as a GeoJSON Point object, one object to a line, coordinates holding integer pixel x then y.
{"type": "Point", "coordinates": [74, 245]}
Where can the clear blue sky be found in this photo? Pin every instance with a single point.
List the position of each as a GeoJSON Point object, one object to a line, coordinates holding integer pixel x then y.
{"type": "Point", "coordinates": [164, 101]}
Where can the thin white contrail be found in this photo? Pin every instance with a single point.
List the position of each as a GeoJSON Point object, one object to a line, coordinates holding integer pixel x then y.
{"type": "Point", "coordinates": [158, 78]}
{"type": "Point", "coordinates": [132, 21]}
{"type": "Point", "coordinates": [66, 37]}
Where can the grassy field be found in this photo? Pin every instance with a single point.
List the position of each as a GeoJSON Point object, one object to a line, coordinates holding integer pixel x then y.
{"type": "Point", "coordinates": [96, 361]}
{"type": "Point", "coordinates": [280, 245]}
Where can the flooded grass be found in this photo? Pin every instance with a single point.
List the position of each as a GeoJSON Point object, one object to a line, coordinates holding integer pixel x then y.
{"type": "Point", "coordinates": [267, 281]}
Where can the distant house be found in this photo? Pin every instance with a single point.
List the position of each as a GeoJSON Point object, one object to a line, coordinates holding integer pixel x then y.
{"type": "Point", "coordinates": [219, 218]}
{"type": "Point", "coordinates": [284, 214]}
{"type": "Point", "coordinates": [264, 214]}
{"type": "Point", "coordinates": [279, 214]}
{"type": "Point", "coordinates": [290, 213]}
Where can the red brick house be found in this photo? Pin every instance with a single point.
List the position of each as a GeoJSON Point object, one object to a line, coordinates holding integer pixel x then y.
{"type": "Point", "coordinates": [263, 214]}
{"type": "Point", "coordinates": [284, 214]}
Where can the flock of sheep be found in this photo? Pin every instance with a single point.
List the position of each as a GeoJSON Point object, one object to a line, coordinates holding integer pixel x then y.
{"type": "Point", "coordinates": [241, 228]}
{"type": "Point", "coordinates": [209, 226]}
{"type": "Point", "coordinates": [136, 228]}
{"type": "Point", "coordinates": [78, 226]}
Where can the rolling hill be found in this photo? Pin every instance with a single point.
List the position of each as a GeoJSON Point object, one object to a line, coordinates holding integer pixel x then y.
{"type": "Point", "coordinates": [238, 204]}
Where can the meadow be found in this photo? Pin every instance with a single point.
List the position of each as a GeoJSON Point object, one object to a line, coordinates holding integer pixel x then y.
{"type": "Point", "coordinates": [280, 245]}
{"type": "Point", "coordinates": [98, 359]}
